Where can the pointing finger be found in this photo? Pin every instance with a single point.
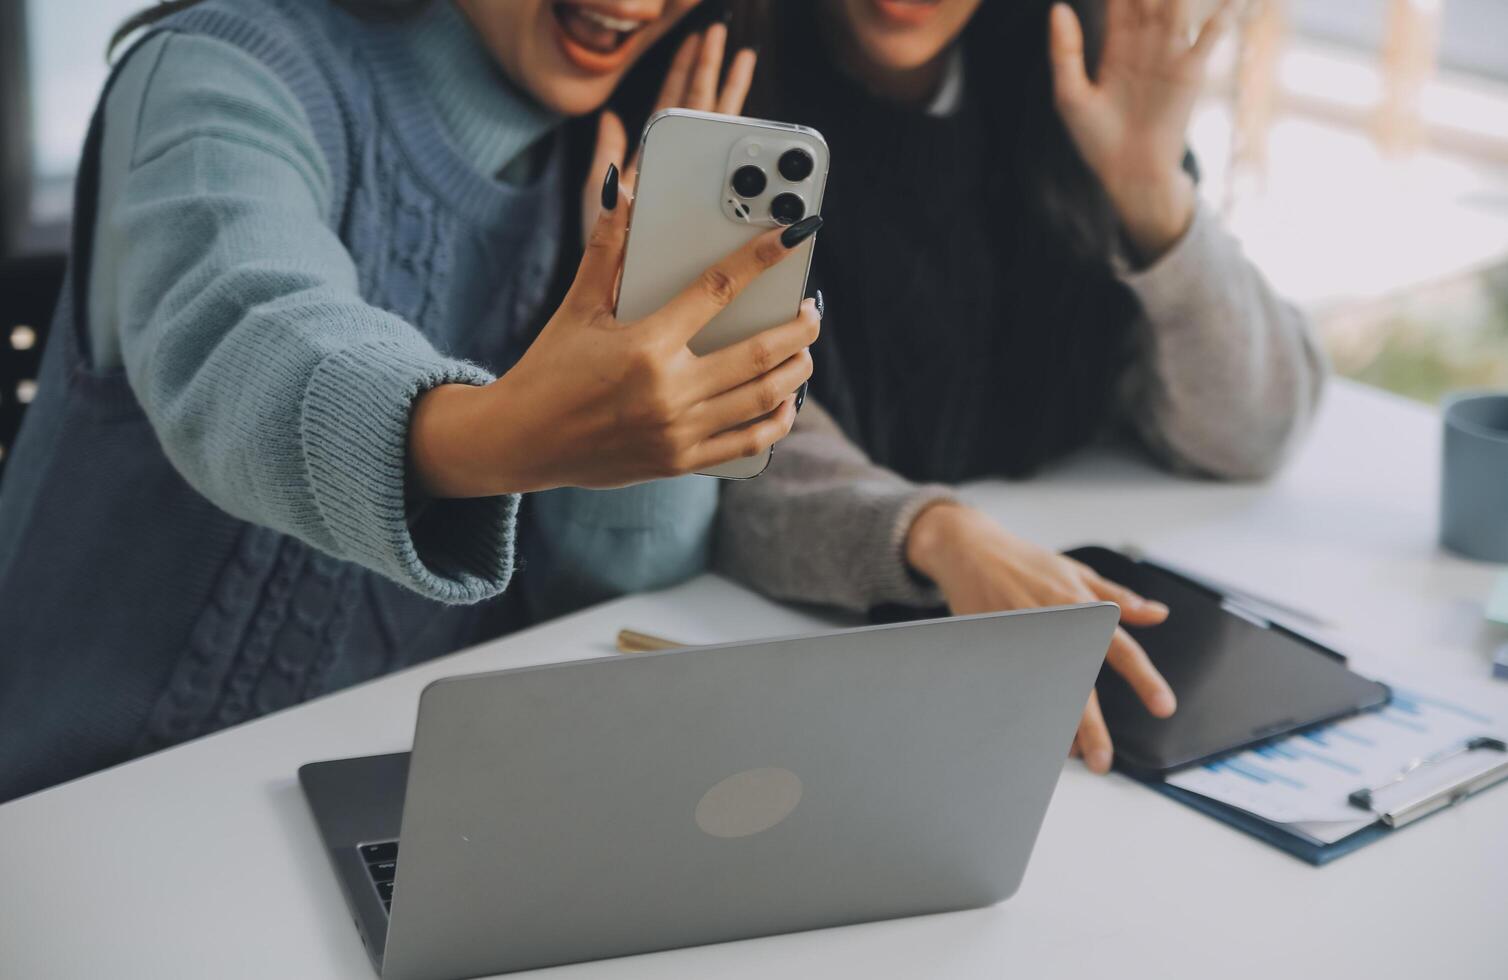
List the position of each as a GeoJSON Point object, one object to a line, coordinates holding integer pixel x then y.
{"type": "Point", "coordinates": [1127, 658]}
{"type": "Point", "coordinates": [1135, 609]}
{"type": "Point", "coordinates": [720, 284]}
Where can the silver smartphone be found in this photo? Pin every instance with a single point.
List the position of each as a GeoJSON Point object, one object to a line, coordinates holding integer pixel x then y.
{"type": "Point", "coordinates": [707, 183]}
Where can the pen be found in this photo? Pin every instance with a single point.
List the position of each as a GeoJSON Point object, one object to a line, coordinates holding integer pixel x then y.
{"type": "Point", "coordinates": [632, 641]}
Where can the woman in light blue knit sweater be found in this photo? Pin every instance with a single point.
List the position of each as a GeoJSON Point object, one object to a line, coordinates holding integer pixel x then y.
{"type": "Point", "coordinates": [297, 382]}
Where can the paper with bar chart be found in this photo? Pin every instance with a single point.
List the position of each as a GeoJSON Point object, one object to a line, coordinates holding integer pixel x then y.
{"type": "Point", "coordinates": [1303, 781]}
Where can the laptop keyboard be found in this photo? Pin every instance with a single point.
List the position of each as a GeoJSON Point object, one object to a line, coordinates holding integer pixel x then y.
{"type": "Point", "coordinates": [381, 860]}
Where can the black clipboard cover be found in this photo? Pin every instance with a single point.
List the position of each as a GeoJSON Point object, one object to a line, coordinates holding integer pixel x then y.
{"type": "Point", "coordinates": [1240, 679]}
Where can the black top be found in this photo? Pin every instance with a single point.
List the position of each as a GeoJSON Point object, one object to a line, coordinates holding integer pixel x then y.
{"type": "Point", "coordinates": [970, 333]}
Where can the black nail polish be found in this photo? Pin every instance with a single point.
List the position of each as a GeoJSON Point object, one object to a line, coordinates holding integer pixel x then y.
{"type": "Point", "coordinates": [821, 306]}
{"type": "Point", "coordinates": [801, 396]}
{"type": "Point", "coordinates": [610, 188]}
{"type": "Point", "coordinates": [801, 231]}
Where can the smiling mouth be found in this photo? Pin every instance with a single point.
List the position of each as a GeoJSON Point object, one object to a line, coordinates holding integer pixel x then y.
{"type": "Point", "coordinates": [907, 13]}
{"type": "Point", "coordinates": [592, 39]}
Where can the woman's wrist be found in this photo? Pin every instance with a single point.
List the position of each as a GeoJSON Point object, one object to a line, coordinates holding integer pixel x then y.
{"type": "Point", "coordinates": [930, 542]}
{"type": "Point", "coordinates": [435, 425]}
{"type": "Point", "coordinates": [1155, 215]}
{"type": "Point", "coordinates": [456, 448]}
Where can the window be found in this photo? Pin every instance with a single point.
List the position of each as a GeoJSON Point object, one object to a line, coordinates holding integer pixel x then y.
{"type": "Point", "coordinates": [52, 101]}
{"type": "Point", "coordinates": [1360, 151]}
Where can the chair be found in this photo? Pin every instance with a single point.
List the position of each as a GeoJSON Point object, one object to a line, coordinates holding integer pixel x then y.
{"type": "Point", "coordinates": [29, 290]}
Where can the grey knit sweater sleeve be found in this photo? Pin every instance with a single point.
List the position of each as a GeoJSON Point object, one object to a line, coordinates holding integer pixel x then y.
{"type": "Point", "coordinates": [823, 524]}
{"type": "Point", "coordinates": [1228, 375]}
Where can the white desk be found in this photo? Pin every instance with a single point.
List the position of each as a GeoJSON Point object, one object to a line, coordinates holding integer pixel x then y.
{"type": "Point", "coordinates": [202, 861]}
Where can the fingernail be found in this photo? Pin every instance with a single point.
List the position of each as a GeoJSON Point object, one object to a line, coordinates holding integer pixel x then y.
{"type": "Point", "coordinates": [801, 231]}
{"type": "Point", "coordinates": [801, 396]}
{"type": "Point", "coordinates": [1152, 605]}
{"type": "Point", "coordinates": [610, 188]}
{"type": "Point", "coordinates": [821, 305]}
{"type": "Point", "coordinates": [1099, 760]}
{"type": "Point", "coordinates": [1163, 704]}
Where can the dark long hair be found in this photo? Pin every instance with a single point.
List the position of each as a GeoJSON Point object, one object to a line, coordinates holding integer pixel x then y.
{"type": "Point", "coordinates": [995, 337]}
{"type": "Point", "coordinates": [1005, 44]}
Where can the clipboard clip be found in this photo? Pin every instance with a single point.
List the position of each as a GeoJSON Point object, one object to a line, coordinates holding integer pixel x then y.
{"type": "Point", "coordinates": [1411, 794]}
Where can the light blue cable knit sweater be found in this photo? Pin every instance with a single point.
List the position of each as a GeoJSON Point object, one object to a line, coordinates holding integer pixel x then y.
{"type": "Point", "coordinates": [292, 224]}
{"type": "Point", "coordinates": [252, 142]}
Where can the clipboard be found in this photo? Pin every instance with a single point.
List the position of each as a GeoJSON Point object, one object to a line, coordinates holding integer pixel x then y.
{"type": "Point", "coordinates": [1421, 787]}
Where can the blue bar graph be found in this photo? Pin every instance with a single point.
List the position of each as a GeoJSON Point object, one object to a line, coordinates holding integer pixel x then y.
{"type": "Point", "coordinates": [1304, 779]}
{"type": "Point", "coordinates": [1417, 698]}
{"type": "Point", "coordinates": [1242, 770]}
{"type": "Point", "coordinates": [1268, 776]}
{"type": "Point", "coordinates": [1332, 762]}
{"type": "Point", "coordinates": [1387, 716]}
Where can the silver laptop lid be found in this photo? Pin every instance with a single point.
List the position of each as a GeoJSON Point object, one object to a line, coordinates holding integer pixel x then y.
{"type": "Point", "coordinates": [606, 807]}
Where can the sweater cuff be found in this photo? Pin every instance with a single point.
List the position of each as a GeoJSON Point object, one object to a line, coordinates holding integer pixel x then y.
{"type": "Point", "coordinates": [356, 412]}
{"type": "Point", "coordinates": [1185, 272]}
{"type": "Point", "coordinates": [882, 574]}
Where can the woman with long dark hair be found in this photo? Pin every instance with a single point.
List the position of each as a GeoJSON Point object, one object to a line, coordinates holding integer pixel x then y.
{"type": "Point", "coordinates": [305, 366]}
{"type": "Point", "coordinates": [1018, 265]}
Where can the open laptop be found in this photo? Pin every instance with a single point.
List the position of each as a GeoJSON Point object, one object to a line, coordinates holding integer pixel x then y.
{"type": "Point", "coordinates": [605, 807]}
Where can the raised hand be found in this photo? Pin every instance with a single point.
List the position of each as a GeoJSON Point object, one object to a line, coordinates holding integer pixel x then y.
{"type": "Point", "coordinates": [691, 83]}
{"type": "Point", "coordinates": [1129, 122]}
{"type": "Point", "coordinates": [596, 402]}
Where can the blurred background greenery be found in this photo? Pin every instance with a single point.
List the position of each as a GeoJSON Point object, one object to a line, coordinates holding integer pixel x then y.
{"type": "Point", "coordinates": [1429, 341]}
{"type": "Point", "coordinates": [1359, 149]}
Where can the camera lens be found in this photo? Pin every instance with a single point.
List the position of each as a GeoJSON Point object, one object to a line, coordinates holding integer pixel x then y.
{"type": "Point", "coordinates": [787, 209]}
{"type": "Point", "coordinates": [796, 165]}
{"type": "Point", "coordinates": [748, 181]}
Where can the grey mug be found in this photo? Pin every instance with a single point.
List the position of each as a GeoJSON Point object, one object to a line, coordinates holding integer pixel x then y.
{"type": "Point", "coordinates": [1474, 480]}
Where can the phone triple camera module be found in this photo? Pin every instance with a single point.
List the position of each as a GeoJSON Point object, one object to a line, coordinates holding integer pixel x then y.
{"type": "Point", "coordinates": [771, 179]}
{"type": "Point", "coordinates": [787, 209]}
{"type": "Point", "coordinates": [796, 165]}
{"type": "Point", "coordinates": [748, 181]}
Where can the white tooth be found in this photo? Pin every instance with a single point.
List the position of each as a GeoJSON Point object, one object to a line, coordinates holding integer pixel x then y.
{"type": "Point", "coordinates": [611, 23]}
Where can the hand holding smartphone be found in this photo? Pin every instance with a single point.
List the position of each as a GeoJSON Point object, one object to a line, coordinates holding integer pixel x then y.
{"type": "Point", "coordinates": [681, 342]}
{"type": "Point", "coordinates": [707, 184]}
